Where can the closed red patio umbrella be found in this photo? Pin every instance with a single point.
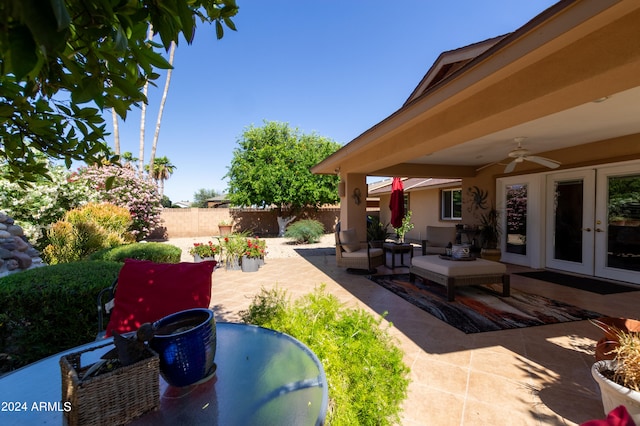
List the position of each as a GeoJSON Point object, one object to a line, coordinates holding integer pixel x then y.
{"type": "Point", "coordinates": [396, 204]}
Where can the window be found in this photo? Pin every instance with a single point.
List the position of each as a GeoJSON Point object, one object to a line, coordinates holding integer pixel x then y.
{"type": "Point", "coordinates": [451, 204]}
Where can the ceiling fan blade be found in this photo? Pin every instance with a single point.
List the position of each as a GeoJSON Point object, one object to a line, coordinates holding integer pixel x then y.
{"type": "Point", "coordinates": [552, 164]}
{"type": "Point", "coordinates": [510, 167]}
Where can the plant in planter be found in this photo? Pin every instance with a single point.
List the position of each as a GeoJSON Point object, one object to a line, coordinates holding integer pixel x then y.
{"type": "Point", "coordinates": [405, 227]}
{"type": "Point", "coordinates": [377, 232]}
{"type": "Point", "coordinates": [201, 251]}
{"type": "Point", "coordinates": [254, 250]}
{"type": "Point", "coordinates": [619, 378]}
{"type": "Point", "coordinates": [490, 234]}
{"type": "Point", "coordinates": [225, 228]}
{"type": "Point", "coordinates": [233, 247]}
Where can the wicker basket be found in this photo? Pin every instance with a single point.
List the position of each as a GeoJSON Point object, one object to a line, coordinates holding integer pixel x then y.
{"type": "Point", "coordinates": [111, 398]}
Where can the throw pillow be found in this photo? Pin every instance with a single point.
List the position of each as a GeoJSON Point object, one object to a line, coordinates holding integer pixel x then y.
{"type": "Point", "coordinates": [148, 291]}
{"type": "Point", "coordinates": [349, 240]}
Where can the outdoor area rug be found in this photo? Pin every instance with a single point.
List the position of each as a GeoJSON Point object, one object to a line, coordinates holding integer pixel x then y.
{"type": "Point", "coordinates": [593, 285]}
{"type": "Point", "coordinates": [478, 309]}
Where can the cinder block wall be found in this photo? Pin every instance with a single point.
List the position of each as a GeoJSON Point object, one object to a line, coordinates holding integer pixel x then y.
{"type": "Point", "coordinates": [196, 222]}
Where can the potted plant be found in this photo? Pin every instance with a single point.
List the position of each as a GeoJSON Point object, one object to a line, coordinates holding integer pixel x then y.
{"type": "Point", "coordinates": [490, 235]}
{"type": "Point", "coordinates": [377, 232]}
{"type": "Point", "coordinates": [254, 250]}
{"type": "Point", "coordinates": [233, 246]}
{"type": "Point", "coordinates": [619, 378]}
{"type": "Point", "coordinates": [405, 227]}
{"type": "Point", "coordinates": [225, 228]}
{"type": "Point", "coordinates": [201, 251]}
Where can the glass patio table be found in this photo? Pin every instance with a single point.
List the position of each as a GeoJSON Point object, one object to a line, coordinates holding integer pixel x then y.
{"type": "Point", "coordinates": [263, 377]}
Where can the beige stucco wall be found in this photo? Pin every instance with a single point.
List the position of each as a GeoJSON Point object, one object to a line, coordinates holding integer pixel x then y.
{"type": "Point", "coordinates": [195, 222]}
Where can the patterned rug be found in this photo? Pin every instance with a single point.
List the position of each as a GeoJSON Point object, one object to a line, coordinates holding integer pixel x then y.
{"type": "Point", "coordinates": [478, 309]}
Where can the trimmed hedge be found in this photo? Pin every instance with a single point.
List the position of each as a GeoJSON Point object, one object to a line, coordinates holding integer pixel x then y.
{"type": "Point", "coordinates": [156, 252]}
{"type": "Point", "coordinates": [46, 310]}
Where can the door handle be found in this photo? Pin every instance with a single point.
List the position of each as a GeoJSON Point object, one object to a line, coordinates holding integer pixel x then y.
{"type": "Point", "coordinates": [587, 229]}
{"type": "Point", "coordinates": [599, 230]}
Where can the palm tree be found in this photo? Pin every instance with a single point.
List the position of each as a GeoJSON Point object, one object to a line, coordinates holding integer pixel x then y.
{"type": "Point", "coordinates": [162, 170]}
{"type": "Point", "coordinates": [162, 102]}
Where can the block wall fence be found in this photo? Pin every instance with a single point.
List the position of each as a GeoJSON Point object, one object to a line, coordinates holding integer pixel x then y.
{"type": "Point", "coordinates": [197, 222]}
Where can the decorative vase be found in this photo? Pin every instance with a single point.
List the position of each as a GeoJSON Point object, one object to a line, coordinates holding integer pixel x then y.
{"type": "Point", "coordinates": [614, 394]}
{"type": "Point", "coordinates": [491, 254]}
{"type": "Point", "coordinates": [198, 259]}
{"type": "Point", "coordinates": [186, 344]}
{"type": "Point", "coordinates": [250, 264]}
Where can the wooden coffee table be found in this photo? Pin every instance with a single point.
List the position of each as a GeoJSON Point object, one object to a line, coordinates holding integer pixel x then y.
{"type": "Point", "coordinates": [452, 274]}
{"type": "Point", "coordinates": [394, 249]}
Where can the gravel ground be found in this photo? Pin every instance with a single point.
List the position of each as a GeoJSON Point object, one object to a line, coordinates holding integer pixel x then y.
{"type": "Point", "coordinates": [277, 248]}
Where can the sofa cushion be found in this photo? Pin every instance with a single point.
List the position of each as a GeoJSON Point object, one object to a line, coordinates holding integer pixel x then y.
{"type": "Point", "coordinates": [349, 240]}
{"type": "Point", "coordinates": [148, 291]}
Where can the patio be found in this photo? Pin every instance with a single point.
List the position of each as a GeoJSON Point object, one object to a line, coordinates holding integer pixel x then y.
{"type": "Point", "coordinates": [531, 376]}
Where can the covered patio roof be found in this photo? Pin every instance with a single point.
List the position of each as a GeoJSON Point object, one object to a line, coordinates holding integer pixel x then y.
{"type": "Point", "coordinates": [569, 77]}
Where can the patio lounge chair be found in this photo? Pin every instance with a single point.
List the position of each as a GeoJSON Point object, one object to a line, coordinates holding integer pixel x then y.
{"type": "Point", "coordinates": [357, 256]}
{"type": "Point", "coordinates": [438, 237]}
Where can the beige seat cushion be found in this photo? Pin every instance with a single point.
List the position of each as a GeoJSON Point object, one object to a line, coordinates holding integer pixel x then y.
{"type": "Point", "coordinates": [452, 268]}
{"type": "Point", "coordinates": [363, 253]}
{"type": "Point", "coordinates": [349, 240]}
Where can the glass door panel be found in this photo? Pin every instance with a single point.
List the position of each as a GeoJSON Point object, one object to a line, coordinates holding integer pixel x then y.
{"type": "Point", "coordinates": [568, 215]}
{"type": "Point", "coordinates": [516, 220]}
{"type": "Point", "coordinates": [618, 224]}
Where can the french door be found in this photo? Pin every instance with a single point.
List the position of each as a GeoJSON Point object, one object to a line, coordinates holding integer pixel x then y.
{"type": "Point", "coordinates": [593, 222]}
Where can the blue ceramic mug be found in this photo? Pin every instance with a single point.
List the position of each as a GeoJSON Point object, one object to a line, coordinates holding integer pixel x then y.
{"type": "Point", "coordinates": [186, 344]}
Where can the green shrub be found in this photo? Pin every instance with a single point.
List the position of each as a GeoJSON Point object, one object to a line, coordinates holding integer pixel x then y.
{"type": "Point", "coordinates": [50, 309]}
{"type": "Point", "coordinates": [156, 252]}
{"type": "Point", "coordinates": [366, 375]}
{"type": "Point", "coordinates": [86, 230]}
{"type": "Point", "coordinates": [305, 231]}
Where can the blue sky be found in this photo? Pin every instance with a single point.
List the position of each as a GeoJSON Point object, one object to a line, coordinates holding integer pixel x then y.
{"type": "Point", "coordinates": [331, 67]}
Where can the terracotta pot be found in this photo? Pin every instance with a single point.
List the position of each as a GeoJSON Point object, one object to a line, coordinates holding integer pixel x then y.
{"type": "Point", "coordinates": [609, 341]}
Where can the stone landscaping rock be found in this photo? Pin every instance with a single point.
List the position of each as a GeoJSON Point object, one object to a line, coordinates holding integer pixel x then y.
{"type": "Point", "coordinates": [16, 254]}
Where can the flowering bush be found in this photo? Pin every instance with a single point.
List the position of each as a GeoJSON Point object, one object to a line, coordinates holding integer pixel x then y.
{"type": "Point", "coordinates": [205, 250]}
{"type": "Point", "coordinates": [129, 190]}
{"type": "Point", "coordinates": [255, 248]}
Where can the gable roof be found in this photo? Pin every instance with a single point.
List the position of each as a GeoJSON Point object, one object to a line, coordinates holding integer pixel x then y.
{"type": "Point", "coordinates": [449, 62]}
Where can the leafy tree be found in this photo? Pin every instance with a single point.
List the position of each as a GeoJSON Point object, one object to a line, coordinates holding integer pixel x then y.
{"type": "Point", "coordinates": [61, 58]}
{"type": "Point", "coordinates": [138, 195]}
{"type": "Point", "coordinates": [200, 198]}
{"type": "Point", "coordinates": [271, 167]}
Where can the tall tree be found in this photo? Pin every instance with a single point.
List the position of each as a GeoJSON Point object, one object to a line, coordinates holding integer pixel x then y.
{"type": "Point", "coordinates": [271, 167]}
{"type": "Point", "coordinates": [156, 134]}
{"type": "Point", "coordinates": [58, 55]}
{"type": "Point", "coordinates": [162, 170]}
{"type": "Point", "coordinates": [202, 195]}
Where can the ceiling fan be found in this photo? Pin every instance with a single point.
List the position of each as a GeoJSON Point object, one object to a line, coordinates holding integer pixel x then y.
{"type": "Point", "coordinates": [521, 154]}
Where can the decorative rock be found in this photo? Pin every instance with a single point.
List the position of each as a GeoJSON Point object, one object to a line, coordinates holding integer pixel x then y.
{"type": "Point", "coordinates": [23, 259]}
{"type": "Point", "coordinates": [16, 254]}
{"type": "Point", "coordinates": [12, 265]}
{"type": "Point", "coordinates": [15, 230]}
{"type": "Point", "coordinates": [21, 245]}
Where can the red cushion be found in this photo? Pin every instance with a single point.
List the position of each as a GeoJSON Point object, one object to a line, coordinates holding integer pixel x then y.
{"type": "Point", "coordinates": [148, 291]}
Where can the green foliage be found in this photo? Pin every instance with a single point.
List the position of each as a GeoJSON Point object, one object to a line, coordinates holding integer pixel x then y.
{"type": "Point", "coordinates": [405, 227]}
{"type": "Point", "coordinates": [156, 252]}
{"type": "Point", "coordinates": [200, 198]}
{"type": "Point", "coordinates": [367, 377]}
{"type": "Point", "coordinates": [305, 231]}
{"type": "Point", "coordinates": [272, 165]}
{"type": "Point", "coordinates": [376, 230]}
{"type": "Point", "coordinates": [92, 52]}
{"type": "Point", "coordinates": [47, 310]}
{"type": "Point", "coordinates": [46, 202]}
{"type": "Point", "coordinates": [87, 230]}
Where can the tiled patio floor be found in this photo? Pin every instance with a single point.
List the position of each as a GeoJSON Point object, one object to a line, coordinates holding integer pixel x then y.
{"type": "Point", "coordinates": [531, 376]}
